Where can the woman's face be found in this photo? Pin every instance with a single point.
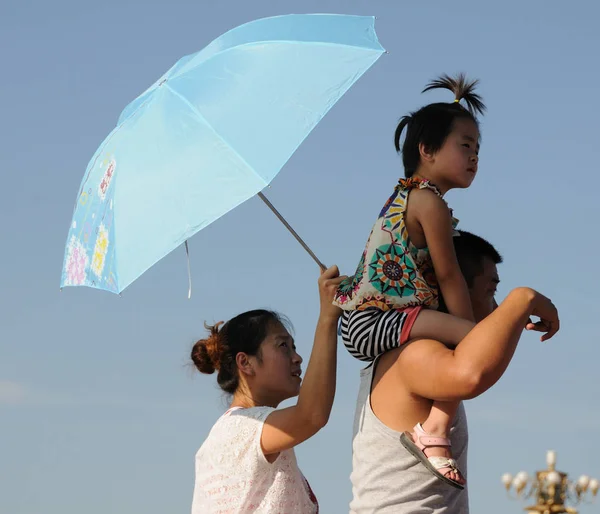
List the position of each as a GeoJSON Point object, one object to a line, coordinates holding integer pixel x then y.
{"type": "Point", "coordinates": [278, 372]}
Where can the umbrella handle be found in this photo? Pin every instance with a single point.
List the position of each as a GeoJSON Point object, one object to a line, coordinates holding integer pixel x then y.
{"type": "Point", "coordinates": [294, 233]}
{"type": "Point", "coordinates": [187, 253]}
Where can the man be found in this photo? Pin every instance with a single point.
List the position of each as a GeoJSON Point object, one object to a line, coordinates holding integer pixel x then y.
{"type": "Point", "coordinates": [397, 391]}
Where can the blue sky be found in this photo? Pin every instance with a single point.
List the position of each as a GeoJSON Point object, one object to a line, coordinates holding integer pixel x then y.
{"type": "Point", "coordinates": [99, 409]}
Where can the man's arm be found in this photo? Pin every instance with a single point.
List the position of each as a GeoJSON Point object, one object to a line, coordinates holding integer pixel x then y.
{"type": "Point", "coordinates": [431, 370]}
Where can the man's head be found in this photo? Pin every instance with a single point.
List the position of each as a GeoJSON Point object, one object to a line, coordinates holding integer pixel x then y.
{"type": "Point", "coordinates": [478, 262]}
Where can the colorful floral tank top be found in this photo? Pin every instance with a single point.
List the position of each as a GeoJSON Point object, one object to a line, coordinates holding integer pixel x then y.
{"type": "Point", "coordinates": [392, 272]}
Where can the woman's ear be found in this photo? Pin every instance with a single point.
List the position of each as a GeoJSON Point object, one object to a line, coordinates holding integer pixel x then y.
{"type": "Point", "coordinates": [244, 364]}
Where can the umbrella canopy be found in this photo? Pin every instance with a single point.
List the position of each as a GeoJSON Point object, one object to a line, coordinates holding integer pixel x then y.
{"type": "Point", "coordinates": [211, 133]}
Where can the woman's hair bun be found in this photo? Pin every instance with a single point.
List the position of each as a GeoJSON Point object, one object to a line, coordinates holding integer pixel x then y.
{"type": "Point", "coordinates": [206, 353]}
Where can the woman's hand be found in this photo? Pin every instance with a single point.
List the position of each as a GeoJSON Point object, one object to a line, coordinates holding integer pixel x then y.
{"type": "Point", "coordinates": [329, 281]}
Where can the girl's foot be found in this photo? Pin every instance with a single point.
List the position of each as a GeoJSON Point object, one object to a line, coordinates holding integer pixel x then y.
{"type": "Point", "coordinates": [434, 453]}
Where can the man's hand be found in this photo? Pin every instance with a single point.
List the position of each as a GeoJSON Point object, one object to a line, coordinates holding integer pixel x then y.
{"type": "Point", "coordinates": [543, 308]}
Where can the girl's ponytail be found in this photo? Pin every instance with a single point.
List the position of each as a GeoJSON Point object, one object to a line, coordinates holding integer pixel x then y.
{"type": "Point", "coordinates": [403, 123]}
{"type": "Point", "coordinates": [462, 89]}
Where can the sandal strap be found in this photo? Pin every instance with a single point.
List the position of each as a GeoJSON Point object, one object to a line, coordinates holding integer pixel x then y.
{"type": "Point", "coordinates": [424, 440]}
{"type": "Point", "coordinates": [443, 462]}
{"type": "Point", "coordinates": [444, 465]}
{"type": "Point", "coordinates": [428, 440]}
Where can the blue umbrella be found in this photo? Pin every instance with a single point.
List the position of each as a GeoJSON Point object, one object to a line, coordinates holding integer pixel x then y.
{"type": "Point", "coordinates": [208, 135]}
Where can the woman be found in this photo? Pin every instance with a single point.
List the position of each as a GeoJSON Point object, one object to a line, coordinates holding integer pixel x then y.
{"type": "Point", "coordinates": [247, 463]}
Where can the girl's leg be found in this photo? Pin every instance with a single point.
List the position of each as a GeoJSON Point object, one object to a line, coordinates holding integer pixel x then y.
{"type": "Point", "coordinates": [449, 330]}
{"type": "Point", "coordinates": [440, 326]}
{"type": "Point", "coordinates": [438, 424]}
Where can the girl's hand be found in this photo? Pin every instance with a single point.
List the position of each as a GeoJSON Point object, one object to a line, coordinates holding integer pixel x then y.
{"type": "Point", "coordinates": [329, 281]}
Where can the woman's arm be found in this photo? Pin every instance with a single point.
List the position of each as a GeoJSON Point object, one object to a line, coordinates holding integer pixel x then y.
{"type": "Point", "coordinates": [285, 428]}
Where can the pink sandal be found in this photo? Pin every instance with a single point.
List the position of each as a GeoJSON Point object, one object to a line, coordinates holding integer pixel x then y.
{"type": "Point", "coordinates": [439, 466]}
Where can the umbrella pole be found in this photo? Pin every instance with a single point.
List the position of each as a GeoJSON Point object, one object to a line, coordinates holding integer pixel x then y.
{"type": "Point", "coordinates": [187, 253]}
{"type": "Point", "coordinates": [294, 233]}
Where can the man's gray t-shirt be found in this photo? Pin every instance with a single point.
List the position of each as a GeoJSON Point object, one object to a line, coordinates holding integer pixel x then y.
{"type": "Point", "coordinates": [387, 479]}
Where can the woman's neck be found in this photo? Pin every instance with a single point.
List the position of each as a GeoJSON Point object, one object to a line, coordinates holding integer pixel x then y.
{"type": "Point", "coordinates": [246, 400]}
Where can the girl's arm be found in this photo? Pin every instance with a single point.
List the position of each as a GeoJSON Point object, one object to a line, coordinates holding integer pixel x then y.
{"type": "Point", "coordinates": [286, 428]}
{"type": "Point", "coordinates": [433, 215]}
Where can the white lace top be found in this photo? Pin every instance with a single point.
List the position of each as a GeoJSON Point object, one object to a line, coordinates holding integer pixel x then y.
{"type": "Point", "coordinates": [234, 477]}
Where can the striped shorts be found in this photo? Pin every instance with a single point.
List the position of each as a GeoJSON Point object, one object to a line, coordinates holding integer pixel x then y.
{"type": "Point", "coordinates": [369, 333]}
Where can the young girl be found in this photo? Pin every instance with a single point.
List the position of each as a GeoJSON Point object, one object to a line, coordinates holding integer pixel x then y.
{"type": "Point", "coordinates": [409, 257]}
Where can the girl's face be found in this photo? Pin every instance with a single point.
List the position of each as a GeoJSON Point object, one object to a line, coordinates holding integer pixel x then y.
{"type": "Point", "coordinates": [277, 374]}
{"type": "Point", "coordinates": [455, 164]}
